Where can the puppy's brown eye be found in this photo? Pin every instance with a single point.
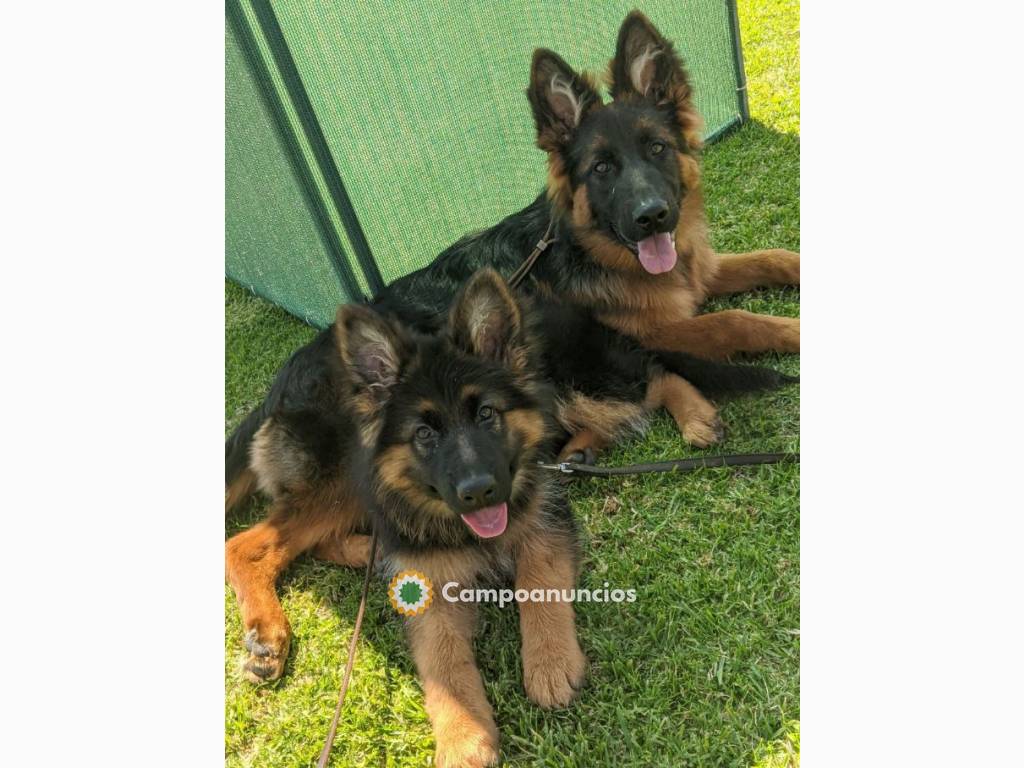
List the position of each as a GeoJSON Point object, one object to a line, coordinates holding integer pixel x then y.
{"type": "Point", "coordinates": [602, 167]}
{"type": "Point", "coordinates": [657, 147]}
{"type": "Point", "coordinates": [424, 433]}
{"type": "Point", "coordinates": [486, 413]}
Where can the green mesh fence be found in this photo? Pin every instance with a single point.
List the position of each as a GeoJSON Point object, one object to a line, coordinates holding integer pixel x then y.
{"type": "Point", "coordinates": [364, 137]}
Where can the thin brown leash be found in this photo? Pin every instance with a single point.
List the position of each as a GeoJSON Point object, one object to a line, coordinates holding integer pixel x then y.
{"type": "Point", "coordinates": [325, 753]}
{"type": "Point", "coordinates": [542, 245]}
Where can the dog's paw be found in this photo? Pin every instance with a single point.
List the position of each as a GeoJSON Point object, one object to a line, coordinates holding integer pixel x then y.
{"type": "Point", "coordinates": [268, 652]}
{"type": "Point", "coordinates": [466, 748]}
{"type": "Point", "coordinates": [789, 266]}
{"type": "Point", "coordinates": [586, 455]}
{"type": "Point", "coordinates": [554, 680]}
{"type": "Point", "coordinates": [789, 335]}
{"type": "Point", "coordinates": [703, 429]}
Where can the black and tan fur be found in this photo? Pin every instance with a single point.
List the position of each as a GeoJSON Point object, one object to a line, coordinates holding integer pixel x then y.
{"type": "Point", "coordinates": [298, 447]}
{"type": "Point", "coordinates": [649, 135]}
{"type": "Point", "coordinates": [601, 344]}
{"type": "Point", "coordinates": [339, 434]}
{"type": "Point", "coordinates": [369, 418]}
{"type": "Point", "coordinates": [494, 367]}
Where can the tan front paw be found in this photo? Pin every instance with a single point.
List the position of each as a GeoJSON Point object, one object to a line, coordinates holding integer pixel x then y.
{"type": "Point", "coordinates": [577, 455]}
{"type": "Point", "coordinates": [466, 747]}
{"type": "Point", "coordinates": [554, 680]}
{"type": "Point", "coordinates": [789, 337]}
{"type": "Point", "coordinates": [268, 651]}
{"type": "Point", "coordinates": [703, 428]}
{"type": "Point", "coordinates": [790, 266]}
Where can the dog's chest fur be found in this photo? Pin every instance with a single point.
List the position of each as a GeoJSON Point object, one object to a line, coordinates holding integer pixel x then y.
{"type": "Point", "coordinates": [486, 562]}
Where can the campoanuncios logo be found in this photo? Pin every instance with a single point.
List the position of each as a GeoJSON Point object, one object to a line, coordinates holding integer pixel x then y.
{"type": "Point", "coordinates": [411, 593]}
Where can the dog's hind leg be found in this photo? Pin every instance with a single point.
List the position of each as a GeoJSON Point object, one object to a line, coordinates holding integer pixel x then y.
{"type": "Point", "coordinates": [596, 422]}
{"type": "Point", "coordinates": [254, 560]}
{"type": "Point", "coordinates": [696, 418]}
{"type": "Point", "coordinates": [734, 272]}
{"type": "Point", "coordinates": [239, 490]}
{"type": "Point", "coordinates": [582, 447]}
{"type": "Point", "coordinates": [350, 550]}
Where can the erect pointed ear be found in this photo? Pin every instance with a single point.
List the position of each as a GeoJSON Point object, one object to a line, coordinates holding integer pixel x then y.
{"type": "Point", "coordinates": [372, 350]}
{"type": "Point", "coordinates": [486, 321]}
{"type": "Point", "coordinates": [646, 65]}
{"type": "Point", "coordinates": [559, 97]}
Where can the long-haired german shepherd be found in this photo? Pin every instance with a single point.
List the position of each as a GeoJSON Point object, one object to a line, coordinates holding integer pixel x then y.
{"type": "Point", "coordinates": [624, 205]}
{"type": "Point", "coordinates": [454, 426]}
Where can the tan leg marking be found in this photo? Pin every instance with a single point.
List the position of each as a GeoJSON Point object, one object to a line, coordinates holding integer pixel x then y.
{"type": "Point", "coordinates": [743, 271]}
{"type": "Point", "coordinates": [240, 489]}
{"type": "Point", "coordinates": [586, 440]}
{"type": "Point", "coordinates": [463, 722]}
{"type": "Point", "coordinates": [696, 418]}
{"type": "Point", "coordinates": [554, 667]}
{"type": "Point", "coordinates": [351, 550]}
{"type": "Point", "coordinates": [254, 559]}
{"type": "Point", "coordinates": [720, 335]}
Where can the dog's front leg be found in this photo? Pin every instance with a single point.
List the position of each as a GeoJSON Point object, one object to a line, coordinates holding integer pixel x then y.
{"type": "Point", "coordinates": [554, 667]}
{"type": "Point", "coordinates": [736, 272]}
{"type": "Point", "coordinates": [720, 335]}
{"type": "Point", "coordinates": [463, 722]}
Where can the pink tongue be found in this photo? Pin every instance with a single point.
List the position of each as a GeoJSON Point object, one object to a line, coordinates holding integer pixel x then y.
{"type": "Point", "coordinates": [489, 521]}
{"type": "Point", "coordinates": [657, 254]}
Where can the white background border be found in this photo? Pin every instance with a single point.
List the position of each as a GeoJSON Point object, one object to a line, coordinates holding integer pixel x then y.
{"type": "Point", "coordinates": [113, 383]}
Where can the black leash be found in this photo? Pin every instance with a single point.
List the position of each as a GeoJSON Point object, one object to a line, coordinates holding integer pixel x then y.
{"type": "Point", "coordinates": [676, 465]}
{"type": "Point", "coordinates": [325, 753]}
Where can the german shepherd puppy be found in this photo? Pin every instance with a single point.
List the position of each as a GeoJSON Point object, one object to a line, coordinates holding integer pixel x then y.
{"type": "Point", "coordinates": [624, 203]}
{"type": "Point", "coordinates": [453, 426]}
{"type": "Point", "coordinates": [332, 404]}
{"type": "Point", "coordinates": [439, 437]}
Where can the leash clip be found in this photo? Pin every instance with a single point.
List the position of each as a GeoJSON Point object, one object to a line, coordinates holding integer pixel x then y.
{"type": "Point", "coordinates": [564, 467]}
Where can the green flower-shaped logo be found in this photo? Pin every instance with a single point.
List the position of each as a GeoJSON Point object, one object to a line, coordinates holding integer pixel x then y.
{"type": "Point", "coordinates": [410, 593]}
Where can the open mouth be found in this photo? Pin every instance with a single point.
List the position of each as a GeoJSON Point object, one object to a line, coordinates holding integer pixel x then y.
{"type": "Point", "coordinates": [657, 252]}
{"type": "Point", "coordinates": [489, 521]}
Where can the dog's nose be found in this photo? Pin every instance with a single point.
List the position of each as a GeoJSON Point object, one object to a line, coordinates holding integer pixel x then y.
{"type": "Point", "coordinates": [477, 490]}
{"type": "Point", "coordinates": [650, 214]}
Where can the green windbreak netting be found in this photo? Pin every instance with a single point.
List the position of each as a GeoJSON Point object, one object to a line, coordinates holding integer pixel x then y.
{"type": "Point", "coordinates": [411, 123]}
{"type": "Point", "coordinates": [273, 242]}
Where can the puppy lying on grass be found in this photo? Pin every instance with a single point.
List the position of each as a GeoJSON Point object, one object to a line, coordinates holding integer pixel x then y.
{"type": "Point", "coordinates": [436, 439]}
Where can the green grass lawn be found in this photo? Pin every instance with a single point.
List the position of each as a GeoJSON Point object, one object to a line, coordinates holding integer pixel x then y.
{"type": "Point", "coordinates": [703, 669]}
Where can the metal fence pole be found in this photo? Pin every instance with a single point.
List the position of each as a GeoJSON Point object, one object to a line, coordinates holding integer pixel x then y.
{"type": "Point", "coordinates": [737, 57]}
